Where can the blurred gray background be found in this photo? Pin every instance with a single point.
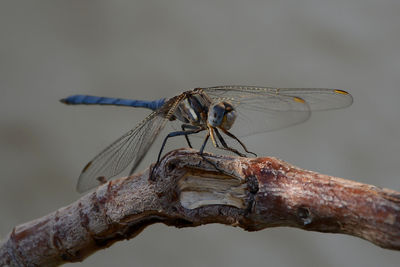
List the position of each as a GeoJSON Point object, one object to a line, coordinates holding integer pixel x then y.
{"type": "Point", "coordinates": [153, 49]}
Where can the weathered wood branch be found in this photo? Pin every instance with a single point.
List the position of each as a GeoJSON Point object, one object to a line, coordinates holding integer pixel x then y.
{"type": "Point", "coordinates": [191, 190]}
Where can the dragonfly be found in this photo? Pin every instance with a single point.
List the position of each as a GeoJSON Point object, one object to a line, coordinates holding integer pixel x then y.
{"type": "Point", "coordinates": [230, 111]}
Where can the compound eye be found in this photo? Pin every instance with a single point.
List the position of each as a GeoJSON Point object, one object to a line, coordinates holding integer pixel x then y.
{"type": "Point", "coordinates": [229, 118]}
{"type": "Point", "coordinates": [216, 114]}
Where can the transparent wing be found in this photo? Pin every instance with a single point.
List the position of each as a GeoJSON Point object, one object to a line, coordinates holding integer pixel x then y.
{"type": "Point", "coordinates": [262, 109]}
{"type": "Point", "coordinates": [131, 147]}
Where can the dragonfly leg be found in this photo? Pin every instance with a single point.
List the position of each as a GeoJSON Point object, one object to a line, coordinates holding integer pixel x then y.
{"type": "Point", "coordinates": [223, 143]}
{"type": "Point", "coordinates": [240, 142]}
{"type": "Point", "coordinates": [178, 133]}
{"type": "Point", "coordinates": [211, 132]}
{"type": "Point", "coordinates": [207, 160]}
{"type": "Point", "coordinates": [225, 146]}
{"type": "Point", "coordinates": [173, 134]}
{"type": "Point", "coordinates": [204, 143]}
{"type": "Point", "coordinates": [188, 126]}
{"type": "Point", "coordinates": [202, 150]}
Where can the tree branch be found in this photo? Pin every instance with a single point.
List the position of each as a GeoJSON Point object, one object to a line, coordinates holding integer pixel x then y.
{"type": "Point", "coordinates": [191, 190]}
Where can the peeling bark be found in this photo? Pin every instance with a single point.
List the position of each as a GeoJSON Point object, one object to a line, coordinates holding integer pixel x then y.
{"type": "Point", "coordinates": [191, 190]}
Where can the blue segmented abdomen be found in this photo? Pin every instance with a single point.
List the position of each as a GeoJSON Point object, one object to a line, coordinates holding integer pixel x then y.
{"type": "Point", "coordinates": [97, 100]}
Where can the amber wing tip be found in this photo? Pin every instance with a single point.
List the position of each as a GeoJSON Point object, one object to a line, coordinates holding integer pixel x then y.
{"type": "Point", "coordinates": [343, 92]}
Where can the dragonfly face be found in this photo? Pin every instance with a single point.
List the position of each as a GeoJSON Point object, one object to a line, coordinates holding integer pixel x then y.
{"type": "Point", "coordinates": [222, 115]}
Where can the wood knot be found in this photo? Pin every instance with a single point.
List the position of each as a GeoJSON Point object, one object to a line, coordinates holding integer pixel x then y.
{"type": "Point", "coordinates": [252, 184]}
{"type": "Point", "coordinates": [171, 166]}
{"type": "Point", "coordinates": [304, 214]}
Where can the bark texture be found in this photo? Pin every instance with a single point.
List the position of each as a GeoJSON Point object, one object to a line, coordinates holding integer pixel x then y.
{"type": "Point", "coordinates": [191, 190]}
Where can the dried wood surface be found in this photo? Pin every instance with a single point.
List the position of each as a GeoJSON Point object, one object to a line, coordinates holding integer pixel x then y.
{"type": "Point", "coordinates": [191, 190]}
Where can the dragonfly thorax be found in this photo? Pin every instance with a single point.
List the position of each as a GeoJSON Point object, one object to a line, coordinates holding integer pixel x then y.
{"type": "Point", "coordinates": [221, 115]}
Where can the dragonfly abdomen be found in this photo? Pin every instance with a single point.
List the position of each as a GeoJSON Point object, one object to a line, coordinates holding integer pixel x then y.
{"type": "Point", "coordinates": [97, 100]}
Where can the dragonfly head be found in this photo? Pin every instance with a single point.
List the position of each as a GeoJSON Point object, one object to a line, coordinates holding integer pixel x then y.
{"type": "Point", "coordinates": [222, 115]}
